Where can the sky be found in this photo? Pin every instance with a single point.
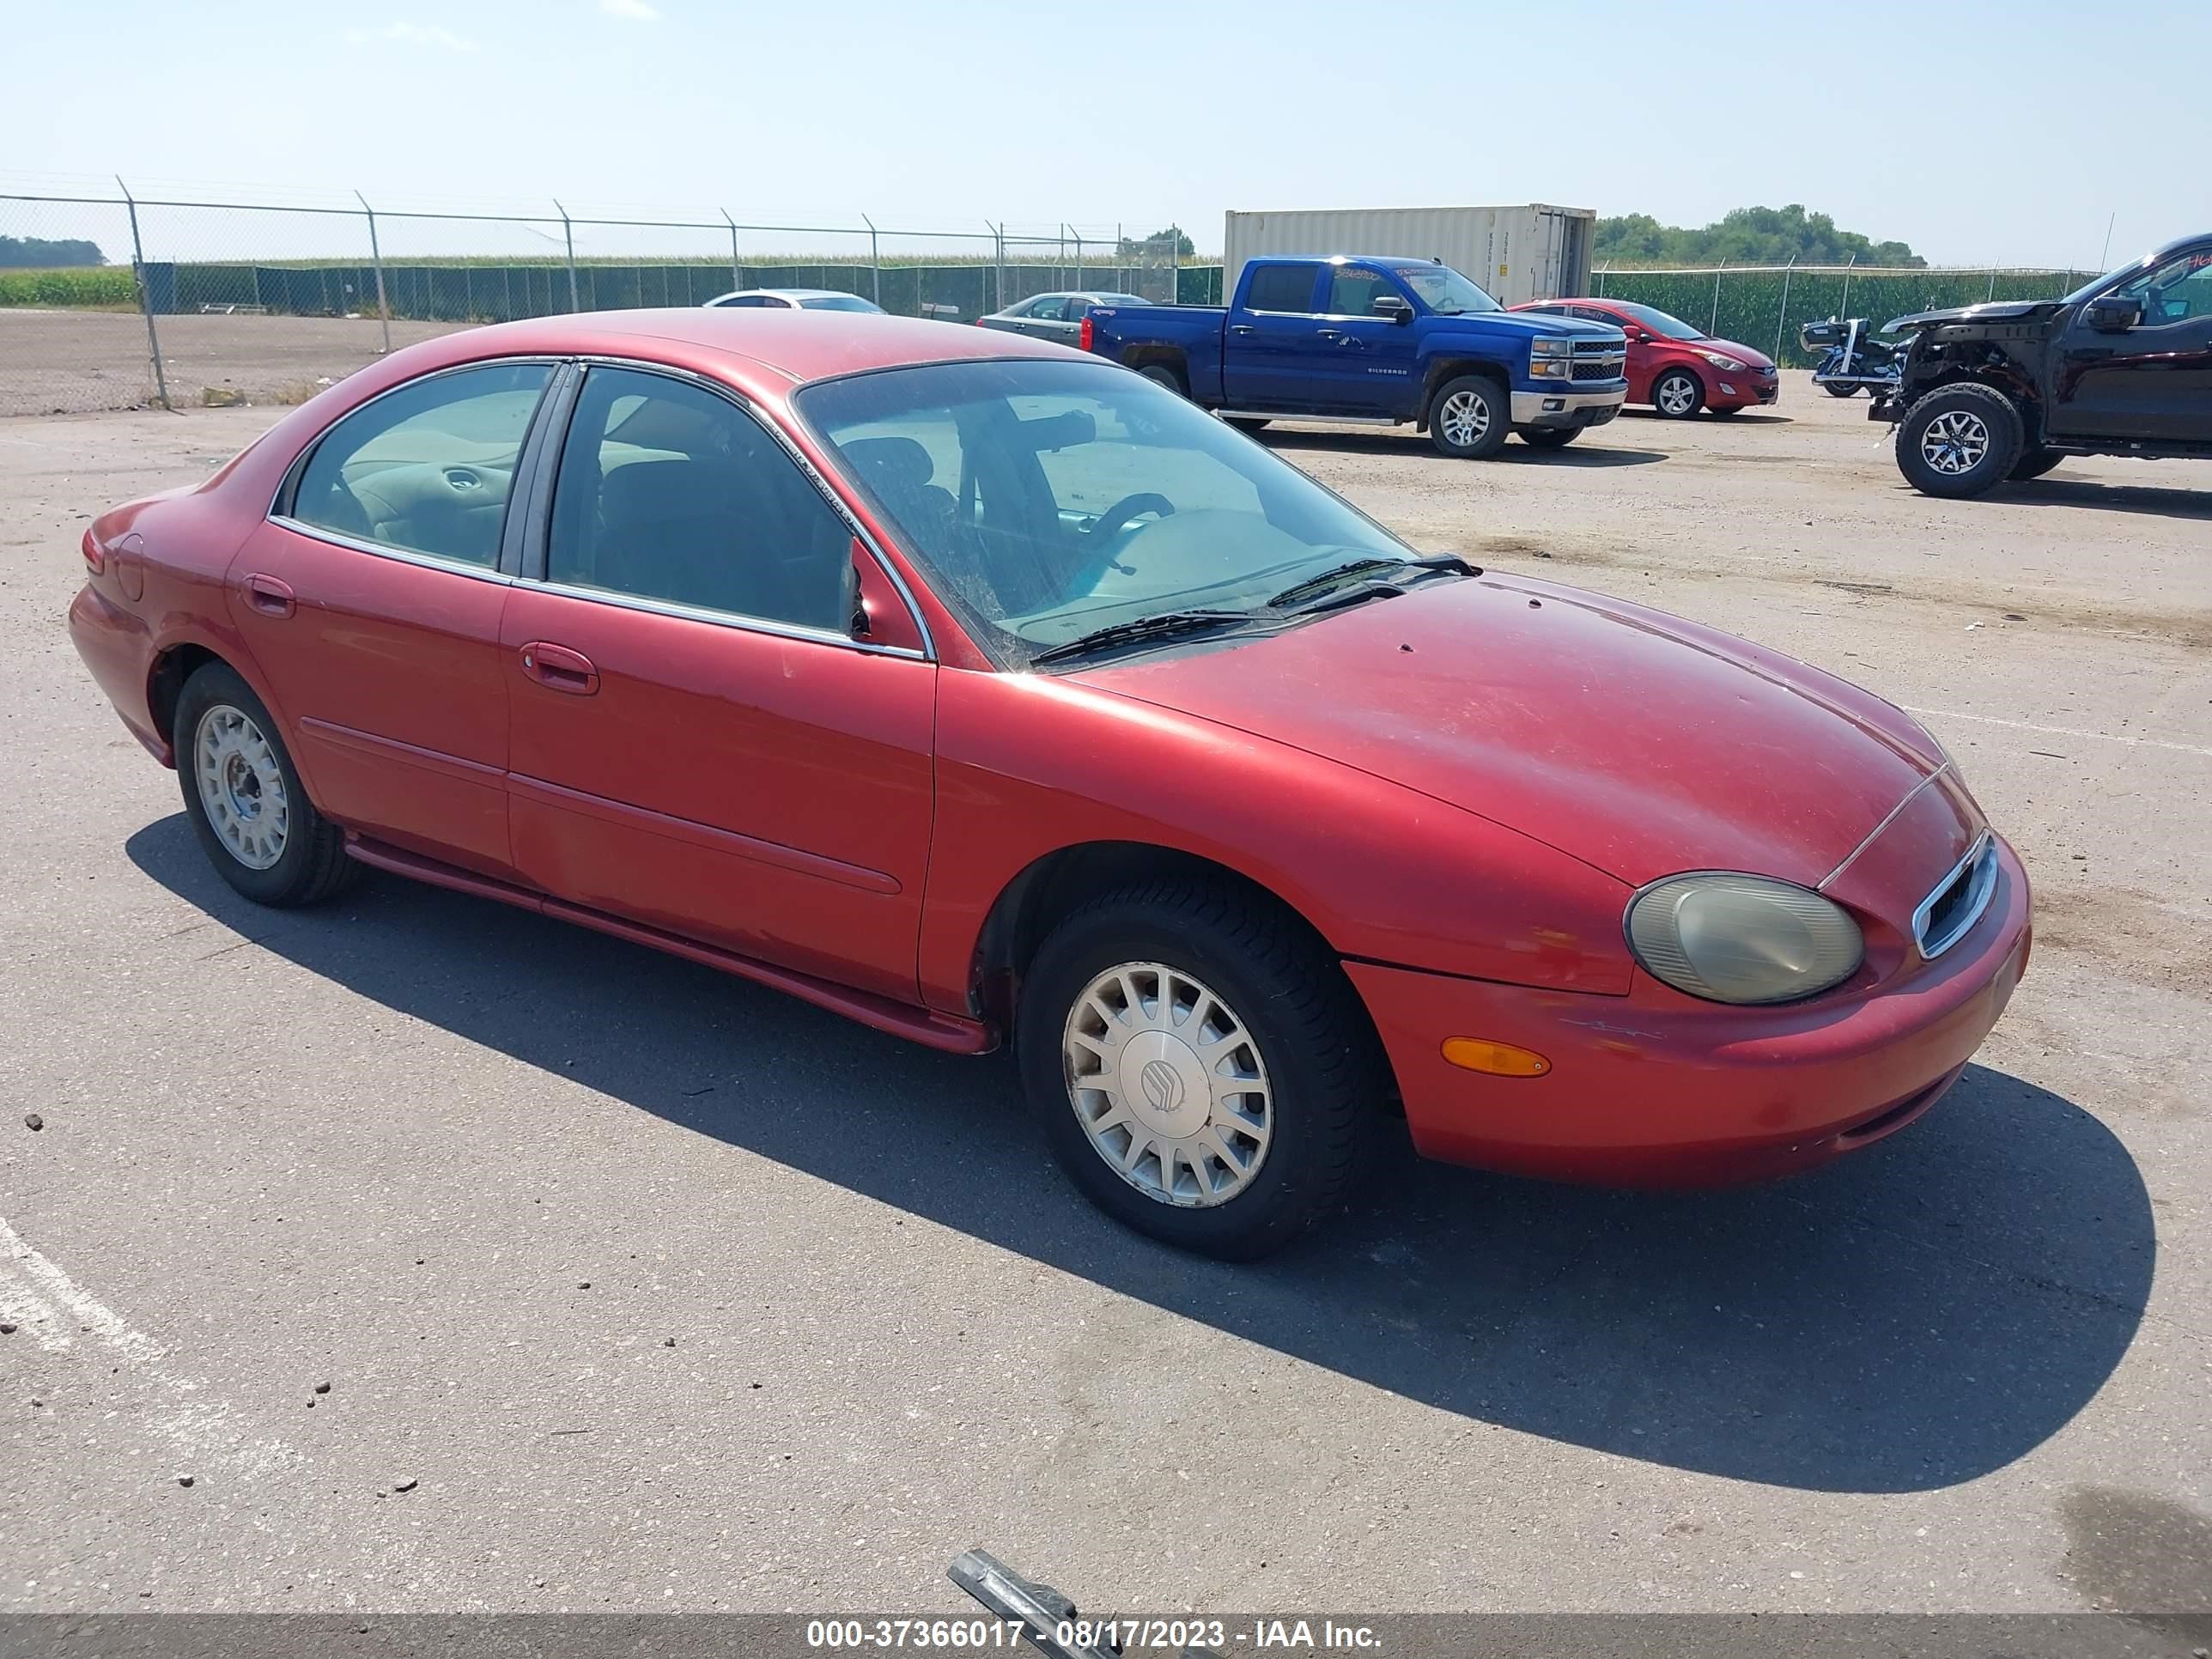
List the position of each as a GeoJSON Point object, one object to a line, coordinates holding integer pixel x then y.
{"type": "Point", "coordinates": [2017, 134]}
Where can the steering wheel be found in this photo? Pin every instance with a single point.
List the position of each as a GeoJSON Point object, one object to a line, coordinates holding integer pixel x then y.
{"type": "Point", "coordinates": [1115, 518]}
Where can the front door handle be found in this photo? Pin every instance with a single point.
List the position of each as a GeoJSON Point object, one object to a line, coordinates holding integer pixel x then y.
{"type": "Point", "coordinates": [559, 669]}
{"type": "Point", "coordinates": [270, 597]}
{"type": "Point", "coordinates": [1241, 328]}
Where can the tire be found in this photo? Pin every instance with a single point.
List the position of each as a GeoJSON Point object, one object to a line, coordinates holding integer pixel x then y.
{"type": "Point", "coordinates": [1247, 425]}
{"type": "Point", "coordinates": [1835, 390]}
{"type": "Point", "coordinates": [236, 776]}
{"type": "Point", "coordinates": [1959, 440]}
{"type": "Point", "coordinates": [2033, 463]}
{"type": "Point", "coordinates": [1549, 437]}
{"type": "Point", "coordinates": [1302, 1035]}
{"type": "Point", "coordinates": [1680, 388]}
{"type": "Point", "coordinates": [1470, 417]}
{"type": "Point", "coordinates": [1167, 375]}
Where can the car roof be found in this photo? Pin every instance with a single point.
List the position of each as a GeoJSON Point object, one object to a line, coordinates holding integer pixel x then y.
{"type": "Point", "coordinates": [758, 347]}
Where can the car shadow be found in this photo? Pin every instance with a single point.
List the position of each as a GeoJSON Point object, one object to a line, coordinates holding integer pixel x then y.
{"type": "Point", "coordinates": [1580, 453]}
{"type": "Point", "coordinates": [1744, 417]}
{"type": "Point", "coordinates": [2055, 491]}
{"type": "Point", "coordinates": [1914, 1317]}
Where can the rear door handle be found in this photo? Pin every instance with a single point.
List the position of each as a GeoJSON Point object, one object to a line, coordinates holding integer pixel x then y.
{"type": "Point", "coordinates": [1240, 328]}
{"type": "Point", "coordinates": [559, 669]}
{"type": "Point", "coordinates": [270, 597]}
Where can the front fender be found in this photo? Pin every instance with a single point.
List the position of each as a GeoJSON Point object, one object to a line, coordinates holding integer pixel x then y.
{"type": "Point", "coordinates": [1029, 764]}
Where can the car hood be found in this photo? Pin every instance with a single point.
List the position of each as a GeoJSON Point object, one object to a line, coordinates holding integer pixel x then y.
{"type": "Point", "coordinates": [1638, 743]}
{"type": "Point", "coordinates": [2001, 311]}
{"type": "Point", "coordinates": [1535, 325]}
{"type": "Point", "coordinates": [1749, 356]}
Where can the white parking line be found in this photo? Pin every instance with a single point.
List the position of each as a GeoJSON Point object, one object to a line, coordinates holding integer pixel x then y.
{"type": "Point", "coordinates": [45, 1301]}
{"type": "Point", "coordinates": [2061, 731]}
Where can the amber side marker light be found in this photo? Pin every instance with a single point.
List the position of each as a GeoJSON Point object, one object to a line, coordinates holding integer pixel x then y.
{"type": "Point", "coordinates": [1499, 1058]}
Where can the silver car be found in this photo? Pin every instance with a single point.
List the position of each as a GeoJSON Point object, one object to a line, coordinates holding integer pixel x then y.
{"type": "Point", "coordinates": [1055, 316]}
{"type": "Point", "coordinates": [796, 299]}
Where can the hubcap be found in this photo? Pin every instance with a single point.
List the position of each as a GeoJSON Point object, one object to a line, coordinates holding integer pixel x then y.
{"type": "Point", "coordinates": [1168, 1085]}
{"type": "Point", "coordinates": [1464, 417]}
{"type": "Point", "coordinates": [1954, 442]}
{"type": "Point", "coordinates": [1677, 396]}
{"type": "Point", "coordinates": [242, 786]}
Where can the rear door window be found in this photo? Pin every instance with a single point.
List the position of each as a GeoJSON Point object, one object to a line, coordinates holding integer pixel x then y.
{"type": "Point", "coordinates": [426, 468]}
{"type": "Point", "coordinates": [1281, 288]}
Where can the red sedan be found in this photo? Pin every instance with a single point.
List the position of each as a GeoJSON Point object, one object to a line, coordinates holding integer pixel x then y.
{"type": "Point", "coordinates": [988, 693]}
{"type": "Point", "coordinates": [1677, 367]}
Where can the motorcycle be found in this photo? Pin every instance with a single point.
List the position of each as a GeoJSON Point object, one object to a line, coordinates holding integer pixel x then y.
{"type": "Point", "coordinates": [1852, 358]}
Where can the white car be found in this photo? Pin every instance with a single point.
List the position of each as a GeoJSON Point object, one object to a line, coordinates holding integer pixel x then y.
{"type": "Point", "coordinates": [797, 299]}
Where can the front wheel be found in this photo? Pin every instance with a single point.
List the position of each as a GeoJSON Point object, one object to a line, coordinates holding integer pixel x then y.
{"type": "Point", "coordinates": [1202, 1070]}
{"type": "Point", "coordinates": [1958, 440]}
{"type": "Point", "coordinates": [1549, 437]}
{"type": "Point", "coordinates": [1676, 394]}
{"type": "Point", "coordinates": [1470, 417]}
{"type": "Point", "coordinates": [244, 796]}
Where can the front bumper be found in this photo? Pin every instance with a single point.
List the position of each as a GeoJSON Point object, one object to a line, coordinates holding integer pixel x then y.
{"type": "Point", "coordinates": [1658, 1089]}
{"type": "Point", "coordinates": [1745, 390]}
{"type": "Point", "coordinates": [1570, 405]}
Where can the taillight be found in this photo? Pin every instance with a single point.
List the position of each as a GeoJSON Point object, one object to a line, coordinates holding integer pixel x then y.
{"type": "Point", "coordinates": [1085, 336]}
{"type": "Point", "coordinates": [95, 556]}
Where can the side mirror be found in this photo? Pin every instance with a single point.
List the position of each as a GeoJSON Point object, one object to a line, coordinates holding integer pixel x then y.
{"type": "Point", "coordinates": [2114, 313]}
{"type": "Point", "coordinates": [1390, 305]}
{"type": "Point", "coordinates": [1636, 336]}
{"type": "Point", "coordinates": [878, 614]}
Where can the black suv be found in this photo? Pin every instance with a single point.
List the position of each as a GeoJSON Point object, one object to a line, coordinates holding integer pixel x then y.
{"type": "Point", "coordinates": [2122, 366]}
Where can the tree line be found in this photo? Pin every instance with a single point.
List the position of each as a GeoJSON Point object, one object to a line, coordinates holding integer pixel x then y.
{"type": "Point", "coordinates": [1745, 236]}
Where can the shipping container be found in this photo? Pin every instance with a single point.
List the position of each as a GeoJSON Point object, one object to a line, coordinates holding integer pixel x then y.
{"type": "Point", "coordinates": [1517, 253]}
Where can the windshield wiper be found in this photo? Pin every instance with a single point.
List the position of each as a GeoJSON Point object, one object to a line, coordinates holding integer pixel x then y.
{"type": "Point", "coordinates": [1372, 565]}
{"type": "Point", "coordinates": [1165, 624]}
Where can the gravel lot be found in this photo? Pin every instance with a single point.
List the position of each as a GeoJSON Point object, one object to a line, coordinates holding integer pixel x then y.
{"type": "Point", "coordinates": [667, 1292]}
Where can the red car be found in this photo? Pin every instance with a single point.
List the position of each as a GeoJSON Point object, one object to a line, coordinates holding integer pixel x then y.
{"type": "Point", "coordinates": [987, 693]}
{"type": "Point", "coordinates": [1677, 367]}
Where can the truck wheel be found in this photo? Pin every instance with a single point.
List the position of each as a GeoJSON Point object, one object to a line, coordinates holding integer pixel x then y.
{"type": "Point", "coordinates": [1676, 394]}
{"type": "Point", "coordinates": [1201, 1069]}
{"type": "Point", "coordinates": [1470, 418]}
{"type": "Point", "coordinates": [1549, 437]}
{"type": "Point", "coordinates": [1958, 440]}
{"type": "Point", "coordinates": [2033, 463]}
{"type": "Point", "coordinates": [1836, 391]}
{"type": "Point", "coordinates": [1163, 375]}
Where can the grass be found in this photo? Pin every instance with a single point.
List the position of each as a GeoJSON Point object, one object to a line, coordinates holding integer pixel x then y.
{"type": "Point", "coordinates": [77, 285]}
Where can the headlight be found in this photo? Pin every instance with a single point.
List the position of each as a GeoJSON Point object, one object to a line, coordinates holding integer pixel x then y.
{"type": "Point", "coordinates": [1721, 360]}
{"type": "Point", "coordinates": [1551, 360]}
{"type": "Point", "coordinates": [1741, 939]}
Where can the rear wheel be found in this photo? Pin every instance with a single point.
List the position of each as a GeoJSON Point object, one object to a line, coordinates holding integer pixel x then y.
{"type": "Point", "coordinates": [1202, 1070]}
{"type": "Point", "coordinates": [1835, 390]}
{"type": "Point", "coordinates": [1470, 417]}
{"type": "Point", "coordinates": [1549, 437]}
{"type": "Point", "coordinates": [1168, 376]}
{"type": "Point", "coordinates": [1676, 394]}
{"type": "Point", "coordinates": [1958, 440]}
{"type": "Point", "coordinates": [244, 796]}
{"type": "Point", "coordinates": [2035, 464]}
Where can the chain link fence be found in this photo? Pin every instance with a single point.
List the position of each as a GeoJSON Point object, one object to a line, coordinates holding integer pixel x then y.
{"type": "Point", "coordinates": [116, 303]}
{"type": "Point", "coordinates": [1762, 305]}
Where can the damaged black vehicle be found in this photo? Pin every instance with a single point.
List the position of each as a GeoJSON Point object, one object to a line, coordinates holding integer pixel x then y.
{"type": "Point", "coordinates": [2121, 366]}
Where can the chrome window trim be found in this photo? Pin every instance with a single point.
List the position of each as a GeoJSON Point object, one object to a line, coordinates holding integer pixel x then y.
{"type": "Point", "coordinates": [490, 573]}
{"type": "Point", "coordinates": [822, 488]}
{"type": "Point", "coordinates": [730, 619]}
{"type": "Point", "coordinates": [1981, 860]}
{"type": "Point", "coordinates": [299, 462]}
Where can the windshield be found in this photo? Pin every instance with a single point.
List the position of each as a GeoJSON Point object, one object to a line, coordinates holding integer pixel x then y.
{"type": "Point", "coordinates": [1444, 290]}
{"type": "Point", "coordinates": [1050, 499]}
{"type": "Point", "coordinates": [837, 303]}
{"type": "Point", "coordinates": [1672, 328]}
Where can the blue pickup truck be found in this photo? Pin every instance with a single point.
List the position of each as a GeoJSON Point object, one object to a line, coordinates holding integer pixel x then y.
{"type": "Point", "coordinates": [1375, 341]}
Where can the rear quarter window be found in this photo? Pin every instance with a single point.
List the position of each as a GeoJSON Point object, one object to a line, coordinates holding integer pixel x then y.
{"type": "Point", "coordinates": [1281, 288]}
